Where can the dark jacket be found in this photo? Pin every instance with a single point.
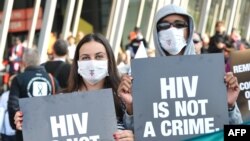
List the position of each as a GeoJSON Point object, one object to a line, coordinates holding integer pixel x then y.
{"type": "Point", "coordinates": [134, 45]}
{"type": "Point", "coordinates": [34, 81]}
{"type": "Point", "coordinates": [60, 70]}
{"type": "Point", "coordinates": [218, 38]}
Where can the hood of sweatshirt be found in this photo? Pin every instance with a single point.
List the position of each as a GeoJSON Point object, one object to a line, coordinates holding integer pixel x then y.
{"type": "Point", "coordinates": [170, 10]}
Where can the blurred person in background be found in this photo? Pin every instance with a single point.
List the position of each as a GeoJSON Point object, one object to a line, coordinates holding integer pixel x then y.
{"type": "Point", "coordinates": [132, 47]}
{"type": "Point", "coordinates": [133, 34]}
{"type": "Point", "coordinates": [236, 40]}
{"type": "Point", "coordinates": [15, 56]}
{"type": "Point", "coordinates": [220, 43]}
{"type": "Point", "coordinates": [53, 38]}
{"type": "Point", "coordinates": [200, 42]}
{"type": "Point", "coordinates": [7, 132]}
{"type": "Point", "coordinates": [59, 67]}
{"type": "Point", "coordinates": [197, 42]}
{"type": "Point", "coordinates": [79, 36]}
{"type": "Point", "coordinates": [71, 47]}
{"type": "Point", "coordinates": [205, 40]}
{"type": "Point", "coordinates": [33, 81]}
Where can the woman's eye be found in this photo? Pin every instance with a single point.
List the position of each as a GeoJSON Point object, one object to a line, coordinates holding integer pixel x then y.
{"type": "Point", "coordinates": [99, 57]}
{"type": "Point", "coordinates": [85, 58]}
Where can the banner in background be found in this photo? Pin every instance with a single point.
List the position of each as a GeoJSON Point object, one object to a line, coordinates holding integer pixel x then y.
{"type": "Point", "coordinates": [240, 66]}
{"type": "Point", "coordinates": [21, 19]}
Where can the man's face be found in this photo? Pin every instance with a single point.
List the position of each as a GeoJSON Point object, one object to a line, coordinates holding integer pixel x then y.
{"type": "Point", "coordinates": [175, 18]}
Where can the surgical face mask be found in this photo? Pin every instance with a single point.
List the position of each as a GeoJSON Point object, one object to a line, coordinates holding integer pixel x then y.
{"type": "Point", "coordinates": [93, 71]}
{"type": "Point", "coordinates": [172, 40]}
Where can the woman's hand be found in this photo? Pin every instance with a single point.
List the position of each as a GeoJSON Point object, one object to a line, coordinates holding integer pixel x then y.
{"type": "Point", "coordinates": [124, 92]}
{"type": "Point", "coordinates": [123, 135]}
{"type": "Point", "coordinates": [233, 89]}
{"type": "Point", "coordinates": [18, 119]}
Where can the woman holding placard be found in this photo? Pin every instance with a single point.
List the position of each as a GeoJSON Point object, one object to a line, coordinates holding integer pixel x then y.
{"type": "Point", "coordinates": [94, 68]}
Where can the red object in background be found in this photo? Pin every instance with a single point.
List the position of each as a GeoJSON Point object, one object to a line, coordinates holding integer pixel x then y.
{"type": "Point", "coordinates": [19, 26]}
{"type": "Point", "coordinates": [21, 19]}
{"type": "Point", "coordinates": [5, 62]}
{"type": "Point", "coordinates": [6, 78]}
{"type": "Point", "coordinates": [22, 14]}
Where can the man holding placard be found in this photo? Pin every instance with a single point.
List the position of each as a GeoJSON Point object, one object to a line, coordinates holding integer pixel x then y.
{"type": "Point", "coordinates": [173, 30]}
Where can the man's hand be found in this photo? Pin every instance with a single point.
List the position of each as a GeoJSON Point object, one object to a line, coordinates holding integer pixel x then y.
{"type": "Point", "coordinates": [233, 89]}
{"type": "Point", "coordinates": [124, 92]}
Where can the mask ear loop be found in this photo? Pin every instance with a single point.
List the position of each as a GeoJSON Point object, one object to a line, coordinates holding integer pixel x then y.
{"type": "Point", "coordinates": [107, 68]}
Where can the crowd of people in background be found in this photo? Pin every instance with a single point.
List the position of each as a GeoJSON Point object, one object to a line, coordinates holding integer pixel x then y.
{"type": "Point", "coordinates": [203, 43]}
{"type": "Point", "coordinates": [62, 61]}
{"type": "Point", "coordinates": [220, 42]}
{"type": "Point", "coordinates": [24, 63]}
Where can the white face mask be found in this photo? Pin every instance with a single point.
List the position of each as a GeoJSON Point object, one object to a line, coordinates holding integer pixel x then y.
{"type": "Point", "coordinates": [172, 40]}
{"type": "Point", "coordinates": [93, 71]}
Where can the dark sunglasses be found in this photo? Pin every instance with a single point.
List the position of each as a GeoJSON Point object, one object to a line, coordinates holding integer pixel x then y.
{"type": "Point", "coordinates": [196, 41]}
{"type": "Point", "coordinates": [167, 25]}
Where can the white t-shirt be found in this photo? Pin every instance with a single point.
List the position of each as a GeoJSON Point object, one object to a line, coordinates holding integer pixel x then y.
{"type": "Point", "coordinates": [71, 50]}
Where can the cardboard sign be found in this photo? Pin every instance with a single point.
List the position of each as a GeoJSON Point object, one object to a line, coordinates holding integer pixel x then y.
{"type": "Point", "coordinates": [88, 116]}
{"type": "Point", "coordinates": [178, 97]}
{"type": "Point", "coordinates": [240, 66]}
